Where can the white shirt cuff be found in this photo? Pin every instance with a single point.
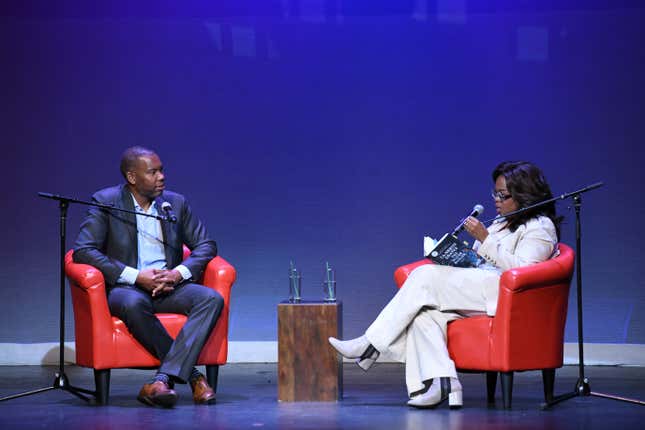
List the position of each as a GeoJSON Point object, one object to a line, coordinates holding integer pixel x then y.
{"type": "Point", "coordinates": [185, 272]}
{"type": "Point", "coordinates": [128, 276]}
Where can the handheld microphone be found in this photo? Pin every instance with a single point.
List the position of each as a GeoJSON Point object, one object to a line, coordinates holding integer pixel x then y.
{"type": "Point", "coordinates": [167, 208]}
{"type": "Point", "coordinates": [477, 210]}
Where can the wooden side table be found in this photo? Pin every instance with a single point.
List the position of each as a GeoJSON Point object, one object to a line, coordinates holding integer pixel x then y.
{"type": "Point", "coordinates": [309, 369]}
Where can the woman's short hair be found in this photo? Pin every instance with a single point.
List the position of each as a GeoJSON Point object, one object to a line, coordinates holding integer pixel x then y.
{"type": "Point", "coordinates": [131, 156]}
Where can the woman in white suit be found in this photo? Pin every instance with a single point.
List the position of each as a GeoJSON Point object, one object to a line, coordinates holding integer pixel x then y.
{"type": "Point", "coordinates": [412, 326]}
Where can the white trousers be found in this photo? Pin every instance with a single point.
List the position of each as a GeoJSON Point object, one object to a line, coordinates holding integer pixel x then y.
{"type": "Point", "coordinates": [412, 327]}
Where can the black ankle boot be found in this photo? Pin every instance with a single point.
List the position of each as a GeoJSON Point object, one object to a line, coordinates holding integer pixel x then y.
{"type": "Point", "coordinates": [368, 358]}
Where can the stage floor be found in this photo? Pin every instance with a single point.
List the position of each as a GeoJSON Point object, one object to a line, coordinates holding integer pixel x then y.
{"type": "Point", "coordinates": [247, 399]}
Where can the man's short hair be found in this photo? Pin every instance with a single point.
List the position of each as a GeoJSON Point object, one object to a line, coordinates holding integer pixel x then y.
{"type": "Point", "coordinates": [131, 156]}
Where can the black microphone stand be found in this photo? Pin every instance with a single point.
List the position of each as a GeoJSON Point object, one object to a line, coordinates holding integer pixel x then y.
{"type": "Point", "coordinates": [61, 381]}
{"type": "Point", "coordinates": [582, 387]}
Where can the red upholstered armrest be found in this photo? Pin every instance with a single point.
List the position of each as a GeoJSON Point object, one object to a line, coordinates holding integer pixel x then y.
{"type": "Point", "coordinates": [83, 275]}
{"type": "Point", "coordinates": [540, 275]}
{"type": "Point", "coordinates": [219, 275]}
{"type": "Point", "coordinates": [402, 273]}
{"type": "Point", "coordinates": [91, 313]}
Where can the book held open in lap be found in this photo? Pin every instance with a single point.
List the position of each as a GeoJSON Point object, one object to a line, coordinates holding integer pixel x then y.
{"type": "Point", "coordinates": [450, 251]}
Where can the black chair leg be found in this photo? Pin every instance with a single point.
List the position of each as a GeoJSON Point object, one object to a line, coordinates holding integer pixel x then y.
{"type": "Point", "coordinates": [507, 389]}
{"type": "Point", "coordinates": [212, 373]}
{"type": "Point", "coordinates": [102, 384]}
{"type": "Point", "coordinates": [548, 378]}
{"type": "Point", "coordinates": [491, 385]}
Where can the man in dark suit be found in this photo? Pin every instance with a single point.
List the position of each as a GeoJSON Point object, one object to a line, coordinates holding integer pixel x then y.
{"type": "Point", "coordinates": [141, 260]}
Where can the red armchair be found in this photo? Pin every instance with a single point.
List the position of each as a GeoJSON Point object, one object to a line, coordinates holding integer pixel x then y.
{"type": "Point", "coordinates": [103, 342]}
{"type": "Point", "coordinates": [527, 332]}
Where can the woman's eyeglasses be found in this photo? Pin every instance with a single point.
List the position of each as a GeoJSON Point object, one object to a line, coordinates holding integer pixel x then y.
{"type": "Point", "coordinates": [498, 195]}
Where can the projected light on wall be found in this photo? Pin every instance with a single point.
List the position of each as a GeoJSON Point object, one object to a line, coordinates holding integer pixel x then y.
{"type": "Point", "coordinates": [242, 41]}
{"type": "Point", "coordinates": [533, 44]}
{"type": "Point", "coordinates": [453, 11]}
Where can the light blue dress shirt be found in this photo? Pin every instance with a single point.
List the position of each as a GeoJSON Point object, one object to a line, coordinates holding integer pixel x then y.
{"type": "Point", "coordinates": [150, 246]}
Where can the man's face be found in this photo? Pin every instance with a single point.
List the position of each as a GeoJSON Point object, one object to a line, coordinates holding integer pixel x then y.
{"type": "Point", "coordinates": [147, 177]}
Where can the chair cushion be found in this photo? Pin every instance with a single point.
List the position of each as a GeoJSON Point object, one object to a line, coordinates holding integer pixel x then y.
{"type": "Point", "coordinates": [128, 352]}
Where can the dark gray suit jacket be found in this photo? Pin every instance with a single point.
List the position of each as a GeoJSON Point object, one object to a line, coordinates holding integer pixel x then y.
{"type": "Point", "coordinates": [108, 239]}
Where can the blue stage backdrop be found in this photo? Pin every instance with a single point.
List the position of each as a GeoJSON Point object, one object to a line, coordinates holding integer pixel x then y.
{"type": "Point", "coordinates": [316, 131]}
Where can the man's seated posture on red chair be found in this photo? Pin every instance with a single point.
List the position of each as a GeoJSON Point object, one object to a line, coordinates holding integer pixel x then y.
{"type": "Point", "coordinates": [141, 260]}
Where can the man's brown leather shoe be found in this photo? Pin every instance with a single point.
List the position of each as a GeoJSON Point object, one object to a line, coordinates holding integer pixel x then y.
{"type": "Point", "coordinates": [203, 394]}
{"type": "Point", "coordinates": [157, 394]}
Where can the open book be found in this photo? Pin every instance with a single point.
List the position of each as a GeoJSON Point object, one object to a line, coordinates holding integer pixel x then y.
{"type": "Point", "coordinates": [450, 251]}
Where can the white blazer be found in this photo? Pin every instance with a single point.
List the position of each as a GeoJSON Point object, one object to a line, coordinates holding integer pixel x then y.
{"type": "Point", "coordinates": [531, 243]}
